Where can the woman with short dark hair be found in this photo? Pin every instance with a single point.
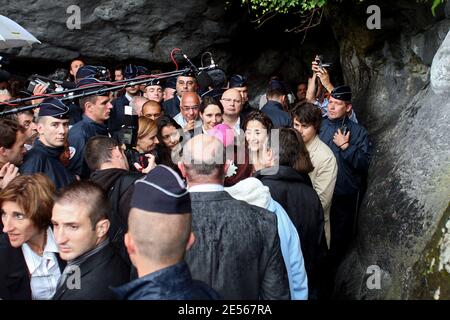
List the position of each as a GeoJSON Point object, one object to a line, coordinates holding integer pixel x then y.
{"type": "Point", "coordinates": [211, 112]}
{"type": "Point", "coordinates": [257, 127]}
{"type": "Point", "coordinates": [307, 119]}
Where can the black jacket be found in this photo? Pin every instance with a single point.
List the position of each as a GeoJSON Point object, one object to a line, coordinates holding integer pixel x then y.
{"type": "Point", "coordinates": [14, 277]}
{"type": "Point", "coordinates": [237, 249]}
{"type": "Point", "coordinates": [119, 185]}
{"type": "Point", "coordinates": [294, 192]}
{"type": "Point", "coordinates": [99, 273]}
{"type": "Point", "coordinates": [46, 160]}
{"type": "Point", "coordinates": [353, 162]}
{"type": "Point", "coordinates": [280, 118]}
{"type": "Point", "coordinates": [171, 107]}
{"type": "Point", "coordinates": [171, 283]}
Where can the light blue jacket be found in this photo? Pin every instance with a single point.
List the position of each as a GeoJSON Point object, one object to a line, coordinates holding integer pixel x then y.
{"type": "Point", "coordinates": [292, 252]}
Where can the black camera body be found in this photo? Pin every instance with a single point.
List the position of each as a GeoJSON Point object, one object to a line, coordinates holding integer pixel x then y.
{"type": "Point", "coordinates": [129, 131]}
{"type": "Point", "coordinates": [344, 129]}
{"type": "Point", "coordinates": [34, 81]}
{"type": "Point", "coordinates": [321, 64]}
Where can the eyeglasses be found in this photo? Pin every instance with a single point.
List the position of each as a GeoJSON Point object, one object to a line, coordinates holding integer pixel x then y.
{"type": "Point", "coordinates": [193, 108]}
{"type": "Point", "coordinates": [231, 100]}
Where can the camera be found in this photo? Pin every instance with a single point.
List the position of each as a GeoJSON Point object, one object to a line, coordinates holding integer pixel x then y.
{"type": "Point", "coordinates": [34, 81]}
{"type": "Point", "coordinates": [102, 73]}
{"type": "Point", "coordinates": [344, 129]}
{"type": "Point", "coordinates": [320, 63]}
{"type": "Point", "coordinates": [129, 131]}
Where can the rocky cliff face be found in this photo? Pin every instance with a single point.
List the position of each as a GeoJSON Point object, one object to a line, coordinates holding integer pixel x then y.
{"type": "Point", "coordinates": [120, 30]}
{"type": "Point", "coordinates": [403, 96]}
{"type": "Point", "coordinates": [114, 31]}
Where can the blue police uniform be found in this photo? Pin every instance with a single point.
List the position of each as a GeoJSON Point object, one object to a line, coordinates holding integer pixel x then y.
{"type": "Point", "coordinates": [280, 118]}
{"type": "Point", "coordinates": [79, 134]}
{"type": "Point", "coordinates": [42, 158]}
{"type": "Point", "coordinates": [46, 159]}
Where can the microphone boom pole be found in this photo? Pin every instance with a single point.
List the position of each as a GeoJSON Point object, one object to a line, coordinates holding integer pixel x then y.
{"type": "Point", "coordinates": [123, 84]}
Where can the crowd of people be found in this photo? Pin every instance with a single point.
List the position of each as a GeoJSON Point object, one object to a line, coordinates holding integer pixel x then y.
{"type": "Point", "coordinates": [207, 197]}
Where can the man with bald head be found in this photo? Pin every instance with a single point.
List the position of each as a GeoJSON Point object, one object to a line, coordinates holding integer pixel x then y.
{"type": "Point", "coordinates": [152, 110]}
{"type": "Point", "coordinates": [237, 249]}
{"type": "Point", "coordinates": [188, 118]}
{"type": "Point", "coordinates": [232, 107]}
{"type": "Point", "coordinates": [159, 233]}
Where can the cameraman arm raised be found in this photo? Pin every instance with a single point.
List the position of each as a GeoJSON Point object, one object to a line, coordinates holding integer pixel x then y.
{"type": "Point", "coordinates": [311, 90]}
{"type": "Point", "coordinates": [323, 75]}
{"type": "Point", "coordinates": [38, 90]}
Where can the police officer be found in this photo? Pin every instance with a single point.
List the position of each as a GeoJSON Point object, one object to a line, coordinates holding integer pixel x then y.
{"type": "Point", "coordinates": [96, 111]}
{"type": "Point", "coordinates": [53, 128]}
{"type": "Point", "coordinates": [350, 144]}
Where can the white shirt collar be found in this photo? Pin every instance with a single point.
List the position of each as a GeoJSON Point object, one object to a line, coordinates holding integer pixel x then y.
{"type": "Point", "coordinates": [182, 122]}
{"type": "Point", "coordinates": [30, 256]}
{"type": "Point", "coordinates": [207, 187]}
{"type": "Point", "coordinates": [128, 97]}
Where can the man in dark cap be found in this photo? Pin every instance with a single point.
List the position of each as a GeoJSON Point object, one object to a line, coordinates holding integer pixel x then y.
{"type": "Point", "coordinates": [154, 91]}
{"type": "Point", "coordinates": [275, 108]}
{"type": "Point", "coordinates": [185, 83]}
{"type": "Point", "coordinates": [350, 144]}
{"type": "Point", "coordinates": [116, 120]}
{"type": "Point", "coordinates": [170, 88]}
{"type": "Point", "coordinates": [53, 128]}
{"type": "Point", "coordinates": [240, 83]}
{"type": "Point", "coordinates": [159, 234]}
{"type": "Point", "coordinates": [237, 251]}
{"type": "Point", "coordinates": [83, 72]}
{"type": "Point", "coordinates": [96, 111]}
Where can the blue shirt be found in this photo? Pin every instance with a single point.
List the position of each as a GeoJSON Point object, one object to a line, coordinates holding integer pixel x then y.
{"type": "Point", "coordinates": [292, 252]}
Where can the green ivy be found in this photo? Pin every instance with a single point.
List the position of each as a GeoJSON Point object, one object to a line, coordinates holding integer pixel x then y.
{"type": "Point", "coordinates": [436, 3]}
{"type": "Point", "coordinates": [262, 7]}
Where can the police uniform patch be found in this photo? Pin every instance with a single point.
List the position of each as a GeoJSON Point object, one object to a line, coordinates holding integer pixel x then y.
{"type": "Point", "coordinates": [72, 151]}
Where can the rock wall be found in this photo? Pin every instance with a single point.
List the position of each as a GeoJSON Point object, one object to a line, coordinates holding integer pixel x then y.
{"type": "Point", "coordinates": [403, 220]}
{"type": "Point", "coordinates": [114, 31]}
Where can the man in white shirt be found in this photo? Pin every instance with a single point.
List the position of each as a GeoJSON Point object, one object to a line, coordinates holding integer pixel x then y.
{"type": "Point", "coordinates": [188, 118]}
{"type": "Point", "coordinates": [232, 107]}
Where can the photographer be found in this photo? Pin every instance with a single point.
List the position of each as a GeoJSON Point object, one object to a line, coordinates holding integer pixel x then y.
{"type": "Point", "coordinates": [142, 156]}
{"type": "Point", "coordinates": [320, 87]}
